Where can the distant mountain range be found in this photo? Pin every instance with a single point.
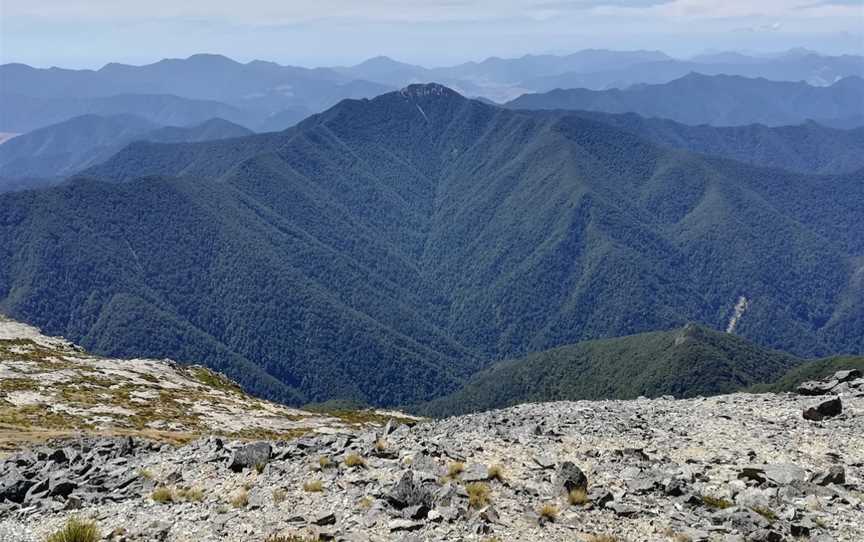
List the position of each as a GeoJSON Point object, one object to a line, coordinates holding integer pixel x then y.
{"type": "Point", "coordinates": [684, 362]}
{"type": "Point", "coordinates": [719, 100]}
{"type": "Point", "coordinates": [48, 154]}
{"type": "Point", "coordinates": [795, 65]}
{"type": "Point", "coordinates": [266, 96]}
{"type": "Point", "coordinates": [385, 250]}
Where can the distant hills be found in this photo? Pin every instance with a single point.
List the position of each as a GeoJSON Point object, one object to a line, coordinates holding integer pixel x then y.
{"type": "Point", "coordinates": [795, 65]}
{"type": "Point", "coordinates": [719, 100]}
{"type": "Point", "coordinates": [266, 96]}
{"type": "Point", "coordinates": [386, 249]}
{"type": "Point", "coordinates": [683, 362]}
{"type": "Point", "coordinates": [70, 146]}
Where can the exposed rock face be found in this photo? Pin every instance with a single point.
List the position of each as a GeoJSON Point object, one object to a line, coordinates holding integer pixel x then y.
{"type": "Point", "coordinates": [730, 468]}
{"type": "Point", "coordinates": [846, 381]}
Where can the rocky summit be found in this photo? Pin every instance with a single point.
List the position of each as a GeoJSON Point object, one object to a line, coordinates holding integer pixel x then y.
{"type": "Point", "coordinates": [738, 467]}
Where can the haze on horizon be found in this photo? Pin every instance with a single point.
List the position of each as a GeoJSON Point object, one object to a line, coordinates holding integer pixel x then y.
{"type": "Point", "coordinates": [91, 33]}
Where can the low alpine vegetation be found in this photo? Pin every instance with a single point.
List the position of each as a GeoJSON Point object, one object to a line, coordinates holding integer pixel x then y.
{"type": "Point", "coordinates": [354, 460]}
{"type": "Point", "coordinates": [240, 499]}
{"type": "Point", "coordinates": [496, 472]}
{"type": "Point", "coordinates": [716, 502]}
{"type": "Point", "coordinates": [478, 494]}
{"type": "Point", "coordinates": [548, 512]}
{"type": "Point", "coordinates": [162, 495]}
{"type": "Point", "coordinates": [315, 486]}
{"type": "Point", "coordinates": [578, 497]}
{"type": "Point", "coordinates": [77, 530]}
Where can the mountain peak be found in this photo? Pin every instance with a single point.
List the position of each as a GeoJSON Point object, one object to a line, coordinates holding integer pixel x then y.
{"type": "Point", "coordinates": [428, 89]}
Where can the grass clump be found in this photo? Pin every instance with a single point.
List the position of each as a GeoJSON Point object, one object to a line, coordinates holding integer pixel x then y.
{"type": "Point", "coordinates": [190, 494]}
{"type": "Point", "coordinates": [162, 495]}
{"type": "Point", "coordinates": [147, 474]}
{"type": "Point", "coordinates": [259, 467]}
{"type": "Point", "coordinates": [548, 512]}
{"type": "Point", "coordinates": [366, 502]}
{"type": "Point", "coordinates": [455, 469]}
{"type": "Point", "coordinates": [354, 460]}
{"type": "Point", "coordinates": [496, 472]}
{"type": "Point", "coordinates": [601, 538]}
{"type": "Point", "coordinates": [765, 513]}
{"type": "Point", "coordinates": [77, 530]}
{"type": "Point", "coordinates": [478, 494]}
{"type": "Point", "coordinates": [380, 445]}
{"type": "Point", "coordinates": [279, 495]}
{"type": "Point", "coordinates": [315, 486]}
{"type": "Point", "coordinates": [240, 499]}
{"type": "Point", "coordinates": [578, 497]}
{"type": "Point", "coordinates": [716, 502]}
{"type": "Point", "coordinates": [324, 462]}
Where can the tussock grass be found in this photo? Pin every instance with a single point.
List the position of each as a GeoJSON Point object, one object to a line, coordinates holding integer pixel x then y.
{"type": "Point", "coordinates": [496, 472]}
{"type": "Point", "coordinates": [315, 486]}
{"type": "Point", "coordinates": [354, 460]}
{"type": "Point", "coordinates": [162, 495]}
{"type": "Point", "coordinates": [279, 495]}
{"type": "Point", "coordinates": [548, 512]}
{"type": "Point", "coordinates": [77, 530]}
{"type": "Point", "coordinates": [240, 499]}
{"type": "Point", "coordinates": [478, 494]}
{"type": "Point", "coordinates": [578, 497]}
{"type": "Point", "coordinates": [716, 502]}
{"type": "Point", "coordinates": [455, 469]}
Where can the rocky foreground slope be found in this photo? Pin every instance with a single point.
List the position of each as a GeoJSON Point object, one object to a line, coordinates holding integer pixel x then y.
{"type": "Point", "coordinates": [727, 468]}
{"type": "Point", "coordinates": [51, 388]}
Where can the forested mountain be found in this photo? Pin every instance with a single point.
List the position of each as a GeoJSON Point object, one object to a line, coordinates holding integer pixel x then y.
{"type": "Point", "coordinates": [719, 100]}
{"type": "Point", "coordinates": [806, 148]}
{"type": "Point", "coordinates": [385, 249]}
{"type": "Point", "coordinates": [65, 148]}
{"type": "Point", "coordinates": [684, 362]}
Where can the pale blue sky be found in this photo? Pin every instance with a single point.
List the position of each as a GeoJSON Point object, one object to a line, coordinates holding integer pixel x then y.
{"type": "Point", "coordinates": [89, 33]}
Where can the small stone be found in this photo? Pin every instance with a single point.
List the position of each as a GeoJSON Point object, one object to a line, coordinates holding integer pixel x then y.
{"type": "Point", "coordinates": [250, 456]}
{"type": "Point", "coordinates": [568, 477]}
{"type": "Point", "coordinates": [835, 475]}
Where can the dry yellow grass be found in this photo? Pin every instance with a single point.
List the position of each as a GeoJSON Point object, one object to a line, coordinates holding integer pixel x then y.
{"type": "Point", "coordinates": [478, 494]}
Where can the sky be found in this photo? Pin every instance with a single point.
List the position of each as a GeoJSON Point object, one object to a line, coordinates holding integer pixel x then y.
{"type": "Point", "coordinates": [90, 33]}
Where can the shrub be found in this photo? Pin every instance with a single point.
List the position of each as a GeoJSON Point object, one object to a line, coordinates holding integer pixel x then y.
{"type": "Point", "coordinates": [162, 495]}
{"type": "Point", "coordinates": [548, 512]}
{"type": "Point", "coordinates": [354, 460]}
{"type": "Point", "coordinates": [315, 486]}
{"type": "Point", "coordinates": [77, 530]}
{"type": "Point", "coordinates": [478, 494]}
{"type": "Point", "coordinates": [240, 499]}
{"type": "Point", "coordinates": [577, 497]}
